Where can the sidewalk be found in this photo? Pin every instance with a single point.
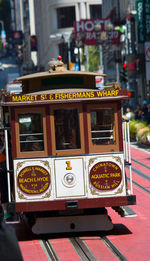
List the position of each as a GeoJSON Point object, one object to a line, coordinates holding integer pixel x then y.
{"type": "Point", "coordinates": [143, 147]}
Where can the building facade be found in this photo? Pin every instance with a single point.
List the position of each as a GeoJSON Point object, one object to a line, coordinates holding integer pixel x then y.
{"type": "Point", "coordinates": [50, 23]}
{"type": "Point", "coordinates": [131, 50]}
{"type": "Point", "coordinates": [54, 24]}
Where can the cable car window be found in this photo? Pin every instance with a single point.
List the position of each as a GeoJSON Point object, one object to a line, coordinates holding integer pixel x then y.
{"type": "Point", "coordinates": [31, 132]}
{"type": "Point", "coordinates": [102, 126]}
{"type": "Point", "coordinates": [67, 130]}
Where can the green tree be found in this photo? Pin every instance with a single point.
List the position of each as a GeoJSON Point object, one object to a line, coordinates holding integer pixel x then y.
{"type": "Point", "coordinates": [93, 52]}
{"type": "Point", "coordinates": [93, 58]}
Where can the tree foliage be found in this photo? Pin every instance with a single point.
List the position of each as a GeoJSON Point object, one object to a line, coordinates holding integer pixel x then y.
{"type": "Point", "coordinates": [94, 58]}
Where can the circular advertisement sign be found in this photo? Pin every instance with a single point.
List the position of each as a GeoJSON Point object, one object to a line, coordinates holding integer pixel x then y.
{"type": "Point", "coordinates": [105, 176]}
{"type": "Point", "coordinates": [148, 53]}
{"type": "Point", "coordinates": [33, 180]}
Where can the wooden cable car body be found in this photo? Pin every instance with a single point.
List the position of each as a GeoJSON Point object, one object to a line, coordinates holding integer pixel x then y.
{"type": "Point", "coordinates": [68, 151]}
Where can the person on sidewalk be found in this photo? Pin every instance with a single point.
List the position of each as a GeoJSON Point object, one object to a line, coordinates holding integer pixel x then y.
{"type": "Point", "coordinates": [138, 113]}
{"type": "Point", "coordinates": [129, 113]}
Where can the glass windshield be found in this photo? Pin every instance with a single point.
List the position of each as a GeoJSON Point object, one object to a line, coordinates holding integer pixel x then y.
{"type": "Point", "coordinates": [67, 131]}
{"type": "Point", "coordinates": [31, 132]}
{"type": "Point", "coordinates": [102, 126]}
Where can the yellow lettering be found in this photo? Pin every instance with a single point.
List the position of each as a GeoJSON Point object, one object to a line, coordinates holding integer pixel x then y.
{"type": "Point", "coordinates": [113, 93]}
{"type": "Point", "coordinates": [43, 97]}
{"type": "Point", "coordinates": [68, 165]}
{"type": "Point", "coordinates": [92, 94]}
{"type": "Point", "coordinates": [99, 176]}
{"type": "Point", "coordinates": [14, 98]}
{"type": "Point", "coordinates": [19, 98]}
{"type": "Point", "coordinates": [51, 97]}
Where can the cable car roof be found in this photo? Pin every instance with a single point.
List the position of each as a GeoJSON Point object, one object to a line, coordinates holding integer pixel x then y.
{"type": "Point", "coordinates": [65, 73]}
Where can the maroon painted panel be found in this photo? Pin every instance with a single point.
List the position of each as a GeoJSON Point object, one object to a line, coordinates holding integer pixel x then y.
{"type": "Point", "coordinates": [82, 204]}
{"type": "Point", "coordinates": [65, 97]}
{"type": "Point", "coordinates": [48, 133]}
{"type": "Point", "coordinates": [13, 134]}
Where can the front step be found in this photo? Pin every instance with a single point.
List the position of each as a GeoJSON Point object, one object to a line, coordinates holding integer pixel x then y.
{"type": "Point", "coordinates": [64, 224]}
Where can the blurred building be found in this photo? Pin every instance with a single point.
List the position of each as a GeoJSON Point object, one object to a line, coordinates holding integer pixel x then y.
{"type": "Point", "coordinates": [54, 31]}
{"type": "Point", "coordinates": [47, 27]}
{"type": "Point", "coordinates": [132, 16]}
{"type": "Point", "coordinates": [51, 24]}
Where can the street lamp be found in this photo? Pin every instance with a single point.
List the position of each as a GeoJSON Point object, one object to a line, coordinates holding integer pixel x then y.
{"type": "Point", "coordinates": [97, 30]}
{"type": "Point", "coordinates": [63, 38]}
{"type": "Point", "coordinates": [102, 38]}
{"type": "Point", "coordinates": [78, 45]}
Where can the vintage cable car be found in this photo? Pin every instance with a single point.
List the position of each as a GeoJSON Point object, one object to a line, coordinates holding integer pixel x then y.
{"type": "Point", "coordinates": [68, 149]}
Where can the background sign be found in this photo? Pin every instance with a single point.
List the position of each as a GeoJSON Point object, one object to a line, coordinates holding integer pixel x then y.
{"type": "Point", "coordinates": [147, 51]}
{"type": "Point", "coordinates": [147, 58]}
{"type": "Point", "coordinates": [146, 18]}
{"type": "Point", "coordinates": [91, 37]}
{"type": "Point", "coordinates": [130, 23]}
{"type": "Point", "coordinates": [143, 20]}
{"type": "Point", "coordinates": [17, 37]}
{"type": "Point", "coordinates": [99, 82]}
{"type": "Point", "coordinates": [140, 25]}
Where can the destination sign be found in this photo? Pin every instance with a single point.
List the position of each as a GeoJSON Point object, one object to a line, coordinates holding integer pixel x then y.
{"type": "Point", "coordinates": [105, 176]}
{"type": "Point", "coordinates": [33, 180]}
{"type": "Point", "coordinates": [65, 96]}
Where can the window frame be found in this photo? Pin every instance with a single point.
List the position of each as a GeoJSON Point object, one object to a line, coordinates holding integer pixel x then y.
{"type": "Point", "coordinates": [60, 22]}
{"type": "Point", "coordinates": [91, 11]}
{"type": "Point", "coordinates": [94, 148]}
{"type": "Point", "coordinates": [22, 154]}
{"type": "Point", "coordinates": [52, 121]}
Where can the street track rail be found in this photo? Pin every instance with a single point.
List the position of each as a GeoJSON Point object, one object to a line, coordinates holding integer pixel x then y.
{"type": "Point", "coordinates": [81, 249]}
{"type": "Point", "coordinates": [141, 174]}
{"type": "Point", "coordinates": [140, 163]}
{"type": "Point", "coordinates": [114, 249]}
{"type": "Point", "coordinates": [49, 250]}
{"type": "Point", "coordinates": [140, 186]}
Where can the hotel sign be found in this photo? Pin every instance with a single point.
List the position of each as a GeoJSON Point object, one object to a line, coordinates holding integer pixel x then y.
{"type": "Point", "coordinates": [91, 37]}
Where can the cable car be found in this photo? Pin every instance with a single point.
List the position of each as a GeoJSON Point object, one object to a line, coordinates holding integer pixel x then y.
{"type": "Point", "coordinates": [69, 150]}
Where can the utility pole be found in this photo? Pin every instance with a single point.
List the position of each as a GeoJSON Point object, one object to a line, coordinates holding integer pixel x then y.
{"type": "Point", "coordinates": [2, 25]}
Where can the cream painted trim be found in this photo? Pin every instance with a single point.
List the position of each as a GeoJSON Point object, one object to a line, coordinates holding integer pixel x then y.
{"type": "Point", "coordinates": [103, 148]}
{"type": "Point", "coordinates": [34, 153]}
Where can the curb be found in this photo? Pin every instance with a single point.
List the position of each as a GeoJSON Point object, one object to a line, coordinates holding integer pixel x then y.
{"type": "Point", "coordinates": [144, 147]}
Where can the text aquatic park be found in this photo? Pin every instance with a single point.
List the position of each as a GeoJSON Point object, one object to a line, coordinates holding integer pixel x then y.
{"type": "Point", "coordinates": [65, 96]}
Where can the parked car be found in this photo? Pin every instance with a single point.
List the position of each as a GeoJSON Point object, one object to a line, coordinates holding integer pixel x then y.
{"type": "Point", "coordinates": [11, 86]}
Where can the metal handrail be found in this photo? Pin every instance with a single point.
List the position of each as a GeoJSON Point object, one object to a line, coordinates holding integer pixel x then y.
{"type": "Point", "coordinates": [96, 131]}
{"type": "Point", "coordinates": [30, 134]}
{"type": "Point", "coordinates": [103, 138]}
{"type": "Point", "coordinates": [126, 149]}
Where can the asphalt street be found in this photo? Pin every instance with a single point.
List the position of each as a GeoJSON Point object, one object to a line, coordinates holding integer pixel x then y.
{"type": "Point", "coordinates": [9, 64]}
